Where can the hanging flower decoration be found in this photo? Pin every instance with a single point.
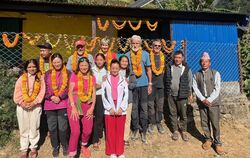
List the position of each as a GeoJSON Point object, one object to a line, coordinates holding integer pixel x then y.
{"type": "Point", "coordinates": [68, 45]}
{"type": "Point", "coordinates": [157, 71]}
{"type": "Point", "coordinates": [25, 92]}
{"type": "Point", "coordinates": [117, 26]}
{"type": "Point", "coordinates": [152, 27]}
{"type": "Point", "coordinates": [123, 49]}
{"type": "Point", "coordinates": [7, 43]}
{"type": "Point", "coordinates": [46, 36]}
{"type": "Point", "coordinates": [137, 27]}
{"type": "Point", "coordinates": [31, 41]}
{"type": "Point", "coordinates": [104, 27]}
{"type": "Point", "coordinates": [166, 48]}
{"type": "Point", "coordinates": [90, 46]}
{"type": "Point", "coordinates": [147, 46]}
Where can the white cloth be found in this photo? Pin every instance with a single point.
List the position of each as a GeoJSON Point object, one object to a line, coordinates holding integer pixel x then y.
{"type": "Point", "coordinates": [29, 123]}
{"type": "Point", "coordinates": [98, 75]}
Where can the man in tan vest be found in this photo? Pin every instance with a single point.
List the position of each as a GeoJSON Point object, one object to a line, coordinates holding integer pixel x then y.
{"type": "Point", "coordinates": [207, 85]}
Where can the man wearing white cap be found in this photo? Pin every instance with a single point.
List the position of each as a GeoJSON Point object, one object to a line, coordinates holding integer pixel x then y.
{"type": "Point", "coordinates": [80, 52]}
{"type": "Point", "coordinates": [206, 85]}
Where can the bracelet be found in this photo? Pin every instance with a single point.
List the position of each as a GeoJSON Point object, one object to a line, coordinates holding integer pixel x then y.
{"type": "Point", "coordinates": [72, 104]}
{"type": "Point", "coordinates": [150, 83]}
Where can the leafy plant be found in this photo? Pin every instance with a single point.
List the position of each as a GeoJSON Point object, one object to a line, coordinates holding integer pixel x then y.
{"type": "Point", "coordinates": [8, 121]}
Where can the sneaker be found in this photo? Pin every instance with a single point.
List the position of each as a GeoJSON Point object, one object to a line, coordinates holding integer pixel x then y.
{"type": "Point", "coordinates": [134, 135]}
{"type": "Point", "coordinates": [55, 152]}
{"type": "Point", "coordinates": [184, 136]}
{"type": "Point", "coordinates": [175, 136]}
{"type": "Point", "coordinates": [121, 156]}
{"type": "Point", "coordinates": [126, 143]}
{"type": "Point", "coordinates": [207, 145]}
{"type": "Point", "coordinates": [65, 151]}
{"type": "Point", "coordinates": [144, 138]}
{"type": "Point", "coordinates": [113, 156]}
{"type": "Point", "coordinates": [86, 152]}
{"type": "Point", "coordinates": [151, 128]}
{"type": "Point", "coordinates": [219, 149]}
{"type": "Point", "coordinates": [161, 130]}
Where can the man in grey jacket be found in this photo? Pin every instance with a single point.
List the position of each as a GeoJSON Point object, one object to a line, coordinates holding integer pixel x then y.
{"type": "Point", "coordinates": [206, 85]}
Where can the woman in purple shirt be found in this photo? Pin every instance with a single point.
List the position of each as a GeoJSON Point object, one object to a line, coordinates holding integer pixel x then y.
{"type": "Point", "coordinates": [56, 97]}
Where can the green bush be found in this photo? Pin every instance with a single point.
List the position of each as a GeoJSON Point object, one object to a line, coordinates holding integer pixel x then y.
{"type": "Point", "coordinates": [245, 60]}
{"type": "Point", "coordinates": [8, 120]}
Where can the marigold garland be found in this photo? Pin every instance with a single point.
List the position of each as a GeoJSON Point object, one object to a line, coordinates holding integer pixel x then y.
{"type": "Point", "coordinates": [104, 27]}
{"type": "Point", "coordinates": [92, 44]}
{"type": "Point", "coordinates": [46, 36]}
{"type": "Point", "coordinates": [136, 62]}
{"type": "Point", "coordinates": [84, 95]}
{"type": "Point", "coordinates": [152, 27]}
{"type": "Point", "coordinates": [75, 60]}
{"type": "Point", "coordinates": [41, 64]}
{"type": "Point", "coordinates": [7, 42]}
{"type": "Point", "coordinates": [30, 40]}
{"type": "Point", "coordinates": [117, 26]}
{"type": "Point", "coordinates": [147, 46]}
{"type": "Point", "coordinates": [157, 71]}
{"type": "Point", "coordinates": [166, 48]}
{"type": "Point", "coordinates": [67, 44]}
{"type": "Point", "coordinates": [137, 27]}
{"type": "Point", "coordinates": [25, 91]}
{"type": "Point", "coordinates": [58, 92]}
{"type": "Point", "coordinates": [126, 45]}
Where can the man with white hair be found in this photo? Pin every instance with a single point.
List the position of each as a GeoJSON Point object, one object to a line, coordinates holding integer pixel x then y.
{"type": "Point", "coordinates": [206, 85]}
{"type": "Point", "coordinates": [140, 65]}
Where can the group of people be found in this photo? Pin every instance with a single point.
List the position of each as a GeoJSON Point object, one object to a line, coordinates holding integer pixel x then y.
{"type": "Point", "coordinates": [122, 97]}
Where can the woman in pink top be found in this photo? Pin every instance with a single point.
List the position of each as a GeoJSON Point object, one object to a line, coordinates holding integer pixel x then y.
{"type": "Point", "coordinates": [115, 101]}
{"type": "Point", "coordinates": [82, 100]}
{"type": "Point", "coordinates": [56, 99]}
{"type": "Point", "coordinates": [28, 95]}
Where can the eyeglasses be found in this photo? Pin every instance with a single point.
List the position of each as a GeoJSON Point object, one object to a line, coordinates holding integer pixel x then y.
{"type": "Point", "coordinates": [157, 46]}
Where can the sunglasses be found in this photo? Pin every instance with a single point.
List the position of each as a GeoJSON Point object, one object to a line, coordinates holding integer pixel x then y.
{"type": "Point", "coordinates": [157, 46]}
{"type": "Point", "coordinates": [80, 46]}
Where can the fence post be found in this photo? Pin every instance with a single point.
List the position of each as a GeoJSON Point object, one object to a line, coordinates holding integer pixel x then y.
{"type": "Point", "coordinates": [185, 49]}
{"type": "Point", "coordinates": [240, 67]}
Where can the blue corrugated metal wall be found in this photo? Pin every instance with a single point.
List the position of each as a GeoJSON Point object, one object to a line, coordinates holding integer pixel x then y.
{"type": "Point", "coordinates": [219, 39]}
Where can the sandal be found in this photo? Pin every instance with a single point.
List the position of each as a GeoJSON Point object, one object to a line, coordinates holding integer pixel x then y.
{"type": "Point", "coordinates": [24, 154]}
{"type": "Point", "coordinates": [86, 152]}
{"type": "Point", "coordinates": [33, 154]}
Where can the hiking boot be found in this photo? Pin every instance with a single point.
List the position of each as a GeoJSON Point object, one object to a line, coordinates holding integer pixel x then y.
{"type": "Point", "coordinates": [184, 136]}
{"type": "Point", "coordinates": [151, 128]}
{"type": "Point", "coordinates": [144, 138]}
{"type": "Point", "coordinates": [207, 145]}
{"type": "Point", "coordinates": [175, 136]}
{"type": "Point", "coordinates": [134, 135]}
{"type": "Point", "coordinates": [219, 149]}
{"type": "Point", "coordinates": [161, 130]}
{"type": "Point", "coordinates": [55, 152]}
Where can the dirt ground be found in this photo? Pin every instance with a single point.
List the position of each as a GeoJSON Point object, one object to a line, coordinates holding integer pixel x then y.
{"type": "Point", "coordinates": [234, 135]}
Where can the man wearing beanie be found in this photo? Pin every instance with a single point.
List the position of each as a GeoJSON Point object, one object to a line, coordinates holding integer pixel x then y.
{"type": "Point", "coordinates": [206, 85]}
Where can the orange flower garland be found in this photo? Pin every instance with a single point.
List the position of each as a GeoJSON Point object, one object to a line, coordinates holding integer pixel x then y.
{"type": "Point", "coordinates": [99, 24]}
{"type": "Point", "coordinates": [25, 92]}
{"type": "Point", "coordinates": [152, 27]}
{"type": "Point", "coordinates": [117, 26]}
{"type": "Point", "coordinates": [126, 45]}
{"type": "Point", "coordinates": [41, 64]}
{"type": "Point", "coordinates": [157, 71]}
{"type": "Point", "coordinates": [30, 40]}
{"type": "Point", "coordinates": [55, 89]}
{"type": "Point", "coordinates": [147, 46]}
{"type": "Point", "coordinates": [136, 62]}
{"type": "Point", "coordinates": [92, 44]}
{"type": "Point", "coordinates": [166, 48]}
{"type": "Point", "coordinates": [135, 28]}
{"type": "Point", "coordinates": [75, 59]}
{"type": "Point", "coordinates": [7, 42]}
{"type": "Point", "coordinates": [84, 96]}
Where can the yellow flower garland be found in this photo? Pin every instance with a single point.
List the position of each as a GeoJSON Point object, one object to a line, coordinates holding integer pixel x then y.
{"type": "Point", "coordinates": [126, 45]}
{"type": "Point", "coordinates": [25, 92]}
{"type": "Point", "coordinates": [136, 62]}
{"type": "Point", "coordinates": [75, 60]}
{"type": "Point", "coordinates": [99, 24]}
{"type": "Point", "coordinates": [152, 27]}
{"type": "Point", "coordinates": [92, 44]}
{"type": "Point", "coordinates": [84, 96]}
{"type": "Point", "coordinates": [58, 92]}
{"type": "Point", "coordinates": [41, 64]}
{"type": "Point", "coordinates": [67, 44]}
{"type": "Point", "coordinates": [157, 71]}
{"type": "Point", "coordinates": [117, 26]}
{"type": "Point", "coordinates": [46, 36]}
{"type": "Point", "coordinates": [166, 48]}
{"type": "Point", "coordinates": [7, 42]}
{"type": "Point", "coordinates": [30, 40]}
{"type": "Point", "coordinates": [137, 27]}
{"type": "Point", "coordinates": [147, 46]}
